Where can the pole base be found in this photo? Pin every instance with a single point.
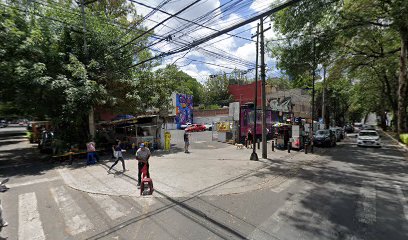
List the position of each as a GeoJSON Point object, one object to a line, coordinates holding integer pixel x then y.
{"type": "Point", "coordinates": [254, 156]}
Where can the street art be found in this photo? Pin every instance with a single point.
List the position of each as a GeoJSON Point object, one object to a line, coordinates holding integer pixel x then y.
{"type": "Point", "coordinates": [284, 105]}
{"type": "Point", "coordinates": [184, 109]}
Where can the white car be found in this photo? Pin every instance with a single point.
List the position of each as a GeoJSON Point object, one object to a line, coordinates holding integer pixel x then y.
{"type": "Point", "coordinates": [208, 126]}
{"type": "Point", "coordinates": [184, 126]}
{"type": "Point", "coordinates": [368, 138]}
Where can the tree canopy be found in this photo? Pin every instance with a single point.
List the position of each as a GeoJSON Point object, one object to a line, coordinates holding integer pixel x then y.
{"type": "Point", "coordinates": [363, 45]}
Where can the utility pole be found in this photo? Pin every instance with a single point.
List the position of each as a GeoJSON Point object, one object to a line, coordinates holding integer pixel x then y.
{"type": "Point", "coordinates": [313, 90]}
{"type": "Point", "coordinates": [254, 156]}
{"type": "Point", "coordinates": [91, 119]}
{"type": "Point", "coordinates": [263, 76]}
{"type": "Point", "coordinates": [323, 99]}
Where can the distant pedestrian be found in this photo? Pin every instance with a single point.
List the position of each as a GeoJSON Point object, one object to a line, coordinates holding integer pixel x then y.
{"type": "Point", "coordinates": [142, 155]}
{"type": "Point", "coordinates": [117, 153]}
{"type": "Point", "coordinates": [92, 156]}
{"type": "Point", "coordinates": [249, 139]}
{"type": "Point", "coordinates": [186, 141]}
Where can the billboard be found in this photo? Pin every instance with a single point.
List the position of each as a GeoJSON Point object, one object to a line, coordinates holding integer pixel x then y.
{"type": "Point", "coordinates": [184, 109]}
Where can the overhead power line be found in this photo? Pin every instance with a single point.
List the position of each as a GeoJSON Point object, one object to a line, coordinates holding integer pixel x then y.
{"type": "Point", "coordinates": [151, 29]}
{"type": "Point", "coordinates": [217, 34]}
{"type": "Point", "coordinates": [187, 20]}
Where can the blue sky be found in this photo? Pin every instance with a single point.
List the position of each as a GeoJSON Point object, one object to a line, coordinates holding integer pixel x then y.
{"type": "Point", "coordinates": [210, 58]}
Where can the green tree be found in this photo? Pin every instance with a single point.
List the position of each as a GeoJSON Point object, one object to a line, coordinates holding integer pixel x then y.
{"type": "Point", "coordinates": [45, 72]}
{"type": "Point", "coordinates": [216, 90]}
{"type": "Point", "coordinates": [360, 38]}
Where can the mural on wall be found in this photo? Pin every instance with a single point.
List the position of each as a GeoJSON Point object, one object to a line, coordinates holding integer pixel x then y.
{"type": "Point", "coordinates": [184, 109]}
{"type": "Point", "coordinates": [281, 105]}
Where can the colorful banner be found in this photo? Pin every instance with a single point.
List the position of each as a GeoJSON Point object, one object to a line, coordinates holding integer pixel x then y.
{"type": "Point", "coordinates": [184, 109]}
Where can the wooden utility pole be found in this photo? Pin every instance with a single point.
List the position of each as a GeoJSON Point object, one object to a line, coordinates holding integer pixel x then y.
{"type": "Point", "coordinates": [263, 78]}
{"type": "Point", "coordinates": [91, 119]}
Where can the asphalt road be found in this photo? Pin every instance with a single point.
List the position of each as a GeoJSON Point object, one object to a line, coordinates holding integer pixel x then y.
{"type": "Point", "coordinates": [348, 193]}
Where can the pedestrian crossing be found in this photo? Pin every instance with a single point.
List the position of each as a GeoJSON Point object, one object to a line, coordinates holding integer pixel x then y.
{"type": "Point", "coordinates": [77, 214]}
{"type": "Point", "coordinates": [77, 218]}
{"type": "Point", "coordinates": [298, 219]}
{"type": "Point", "coordinates": [29, 217]}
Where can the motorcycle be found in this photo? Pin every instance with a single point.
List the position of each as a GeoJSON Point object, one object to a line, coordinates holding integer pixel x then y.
{"type": "Point", "coordinates": [3, 188]}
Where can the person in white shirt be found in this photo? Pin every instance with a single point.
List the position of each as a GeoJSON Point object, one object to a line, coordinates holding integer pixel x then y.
{"type": "Point", "coordinates": [142, 155]}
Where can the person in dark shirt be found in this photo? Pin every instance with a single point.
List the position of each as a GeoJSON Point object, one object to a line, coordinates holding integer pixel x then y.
{"type": "Point", "coordinates": [117, 152]}
{"type": "Point", "coordinates": [249, 139]}
{"type": "Point", "coordinates": [186, 141]}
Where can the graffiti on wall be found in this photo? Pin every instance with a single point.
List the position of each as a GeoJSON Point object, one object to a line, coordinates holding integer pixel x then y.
{"type": "Point", "coordinates": [284, 105]}
{"type": "Point", "coordinates": [184, 109]}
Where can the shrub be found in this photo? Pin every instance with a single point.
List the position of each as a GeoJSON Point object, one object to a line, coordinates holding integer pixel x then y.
{"type": "Point", "coordinates": [404, 138]}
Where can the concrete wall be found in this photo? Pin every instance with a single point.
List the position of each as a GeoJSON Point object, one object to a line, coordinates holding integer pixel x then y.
{"type": "Point", "coordinates": [203, 120]}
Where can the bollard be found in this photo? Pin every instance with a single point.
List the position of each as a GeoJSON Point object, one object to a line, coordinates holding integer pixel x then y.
{"type": "Point", "coordinates": [289, 145]}
{"type": "Point", "coordinates": [259, 144]}
{"type": "Point", "coordinates": [273, 145]}
{"type": "Point", "coordinates": [306, 148]}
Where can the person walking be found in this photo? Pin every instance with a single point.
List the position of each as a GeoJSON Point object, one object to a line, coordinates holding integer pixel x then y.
{"type": "Point", "coordinates": [91, 153]}
{"type": "Point", "coordinates": [186, 141]}
{"type": "Point", "coordinates": [142, 155]}
{"type": "Point", "coordinates": [249, 139]}
{"type": "Point", "coordinates": [117, 152]}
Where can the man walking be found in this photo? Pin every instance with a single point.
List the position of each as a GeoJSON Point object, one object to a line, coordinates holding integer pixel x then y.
{"type": "Point", "coordinates": [117, 152]}
{"type": "Point", "coordinates": [142, 155]}
{"type": "Point", "coordinates": [186, 141]}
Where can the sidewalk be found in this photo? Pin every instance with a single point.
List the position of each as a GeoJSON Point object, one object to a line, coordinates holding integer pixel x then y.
{"type": "Point", "coordinates": [204, 171]}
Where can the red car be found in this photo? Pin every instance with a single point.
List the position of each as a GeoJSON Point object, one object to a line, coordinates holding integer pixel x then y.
{"type": "Point", "coordinates": [196, 128]}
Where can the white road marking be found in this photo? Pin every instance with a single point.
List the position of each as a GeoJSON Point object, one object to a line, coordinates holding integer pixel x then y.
{"type": "Point", "coordinates": [273, 224]}
{"type": "Point", "coordinates": [403, 200]}
{"type": "Point", "coordinates": [75, 219]}
{"type": "Point", "coordinates": [30, 226]}
{"type": "Point", "coordinates": [145, 201]}
{"type": "Point", "coordinates": [112, 208]}
{"type": "Point", "coordinates": [366, 206]}
{"type": "Point", "coordinates": [41, 180]}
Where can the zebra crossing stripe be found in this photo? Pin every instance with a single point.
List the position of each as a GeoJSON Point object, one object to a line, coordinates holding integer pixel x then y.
{"type": "Point", "coordinates": [366, 206]}
{"type": "Point", "coordinates": [30, 226]}
{"type": "Point", "coordinates": [274, 223]}
{"type": "Point", "coordinates": [112, 208]}
{"type": "Point", "coordinates": [402, 200]}
{"type": "Point", "coordinates": [75, 219]}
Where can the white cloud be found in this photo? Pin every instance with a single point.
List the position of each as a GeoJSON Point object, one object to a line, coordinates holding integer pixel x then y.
{"type": "Point", "coordinates": [229, 46]}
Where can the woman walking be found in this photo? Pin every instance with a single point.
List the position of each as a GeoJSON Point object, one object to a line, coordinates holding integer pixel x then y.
{"type": "Point", "coordinates": [117, 153]}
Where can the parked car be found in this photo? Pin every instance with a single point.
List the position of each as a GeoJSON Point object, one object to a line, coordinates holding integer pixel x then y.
{"type": "Point", "coordinates": [184, 126]}
{"type": "Point", "coordinates": [368, 127]}
{"type": "Point", "coordinates": [348, 128]}
{"type": "Point", "coordinates": [368, 138]}
{"type": "Point", "coordinates": [325, 138]}
{"type": "Point", "coordinates": [3, 124]}
{"type": "Point", "coordinates": [339, 133]}
{"type": "Point", "coordinates": [357, 127]}
{"type": "Point", "coordinates": [208, 126]}
{"type": "Point", "coordinates": [196, 128]}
